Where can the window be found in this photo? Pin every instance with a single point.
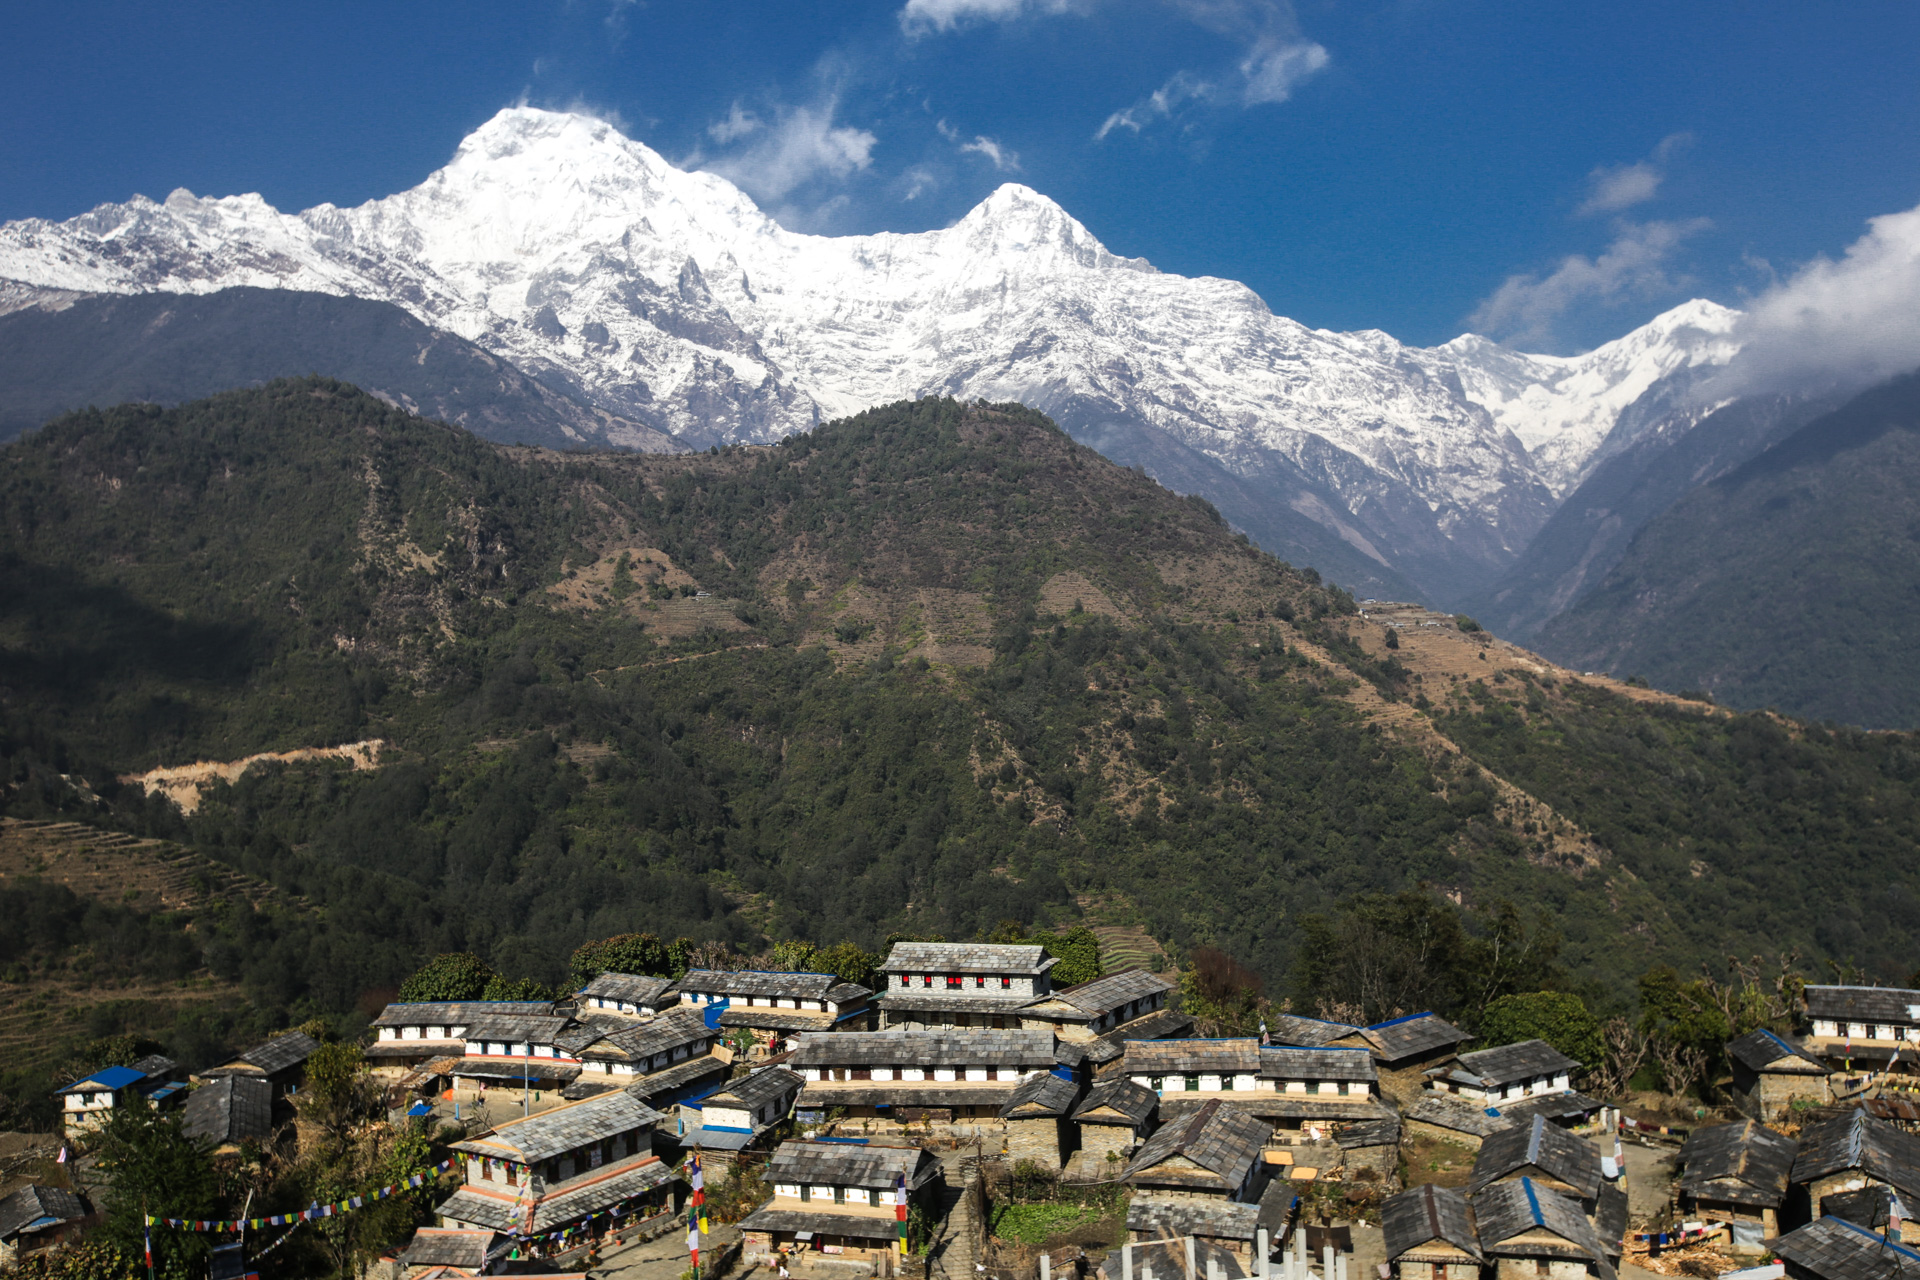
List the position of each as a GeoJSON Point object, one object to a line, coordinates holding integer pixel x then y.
{"type": "Point", "coordinates": [953, 982]}
{"type": "Point", "coordinates": [1159, 1083]}
{"type": "Point", "coordinates": [980, 980]}
{"type": "Point", "coordinates": [1006, 984]}
{"type": "Point", "coordinates": [839, 1195]}
{"type": "Point", "coordinates": [513, 1174]}
{"type": "Point", "coordinates": [1193, 1084]}
{"type": "Point", "coordinates": [906, 979]}
{"type": "Point", "coordinates": [486, 1168]}
{"type": "Point", "coordinates": [926, 979]}
{"type": "Point", "coordinates": [806, 1191]}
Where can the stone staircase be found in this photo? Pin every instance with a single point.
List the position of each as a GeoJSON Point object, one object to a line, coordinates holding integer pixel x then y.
{"type": "Point", "coordinates": [956, 1248]}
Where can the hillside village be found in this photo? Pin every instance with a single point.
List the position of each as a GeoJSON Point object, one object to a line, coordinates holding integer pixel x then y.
{"type": "Point", "coordinates": [971, 1116]}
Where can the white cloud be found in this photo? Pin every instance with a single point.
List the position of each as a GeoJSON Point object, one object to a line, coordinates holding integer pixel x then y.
{"type": "Point", "coordinates": [1611, 188]}
{"type": "Point", "coordinates": [799, 146]}
{"type": "Point", "coordinates": [1525, 307]}
{"type": "Point", "coordinates": [922, 17]}
{"type": "Point", "coordinates": [1181, 89]}
{"type": "Point", "coordinates": [1836, 325]}
{"type": "Point", "coordinates": [1002, 158]}
{"type": "Point", "coordinates": [1273, 68]}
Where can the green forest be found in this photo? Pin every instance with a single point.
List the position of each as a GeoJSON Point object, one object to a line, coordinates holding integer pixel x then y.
{"type": "Point", "coordinates": [860, 705]}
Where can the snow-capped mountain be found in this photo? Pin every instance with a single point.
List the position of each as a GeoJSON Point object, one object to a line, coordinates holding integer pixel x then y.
{"type": "Point", "coordinates": [669, 298]}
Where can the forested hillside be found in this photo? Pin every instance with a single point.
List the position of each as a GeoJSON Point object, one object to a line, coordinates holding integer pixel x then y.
{"type": "Point", "coordinates": [924, 670]}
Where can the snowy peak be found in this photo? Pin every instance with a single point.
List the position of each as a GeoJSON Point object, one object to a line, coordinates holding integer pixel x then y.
{"type": "Point", "coordinates": [669, 298]}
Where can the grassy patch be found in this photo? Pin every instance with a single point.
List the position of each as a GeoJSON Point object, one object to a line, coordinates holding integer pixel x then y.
{"type": "Point", "coordinates": [1038, 1223]}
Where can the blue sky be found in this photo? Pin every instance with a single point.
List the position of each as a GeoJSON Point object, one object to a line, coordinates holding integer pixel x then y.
{"type": "Point", "coordinates": [1554, 173]}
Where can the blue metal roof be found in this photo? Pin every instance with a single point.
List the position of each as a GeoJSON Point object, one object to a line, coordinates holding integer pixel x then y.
{"type": "Point", "coordinates": [110, 1078]}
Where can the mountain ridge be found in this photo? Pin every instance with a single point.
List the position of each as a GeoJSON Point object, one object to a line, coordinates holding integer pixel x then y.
{"type": "Point", "coordinates": [669, 298]}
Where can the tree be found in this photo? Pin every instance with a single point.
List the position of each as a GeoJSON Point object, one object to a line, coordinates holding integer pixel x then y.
{"type": "Point", "coordinates": [1563, 1021]}
{"type": "Point", "coordinates": [1078, 953]}
{"type": "Point", "coordinates": [622, 953]}
{"type": "Point", "coordinates": [848, 963]}
{"type": "Point", "coordinates": [794, 956]}
{"type": "Point", "coordinates": [499, 988]}
{"type": "Point", "coordinates": [1393, 638]}
{"type": "Point", "coordinates": [456, 975]}
{"type": "Point", "coordinates": [153, 1168]}
{"type": "Point", "coordinates": [1624, 1050]}
{"type": "Point", "coordinates": [1221, 995]}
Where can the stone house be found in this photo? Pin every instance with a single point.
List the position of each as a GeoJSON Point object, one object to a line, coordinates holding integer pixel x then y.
{"type": "Point", "coordinates": [561, 1167]}
{"type": "Point", "coordinates": [84, 1104]}
{"type": "Point", "coordinates": [517, 1053]}
{"type": "Point", "coordinates": [232, 1110]}
{"type": "Point", "coordinates": [1291, 1030]}
{"type": "Point", "coordinates": [1527, 1232]}
{"type": "Point", "coordinates": [1855, 1028]}
{"type": "Point", "coordinates": [460, 1252]}
{"type": "Point", "coordinates": [1871, 1207]}
{"type": "Point", "coordinates": [773, 1008]}
{"type": "Point", "coordinates": [409, 1035]}
{"type": "Point", "coordinates": [1114, 1118]}
{"type": "Point", "coordinates": [633, 995]}
{"type": "Point", "coordinates": [933, 985]}
{"type": "Point", "coordinates": [1454, 1119]}
{"type": "Point", "coordinates": [1036, 1117]}
{"type": "Point", "coordinates": [281, 1062]}
{"type": "Point", "coordinates": [1405, 1049]}
{"type": "Point", "coordinates": [1770, 1075]}
{"type": "Point", "coordinates": [1223, 1231]}
{"type": "Point", "coordinates": [1836, 1249]}
{"type": "Point", "coordinates": [664, 1058]}
{"type": "Point", "coordinates": [34, 1219]}
{"type": "Point", "coordinates": [957, 1080]}
{"type": "Point", "coordinates": [1370, 1149]}
{"type": "Point", "coordinates": [741, 1113]}
{"type": "Point", "coordinates": [1107, 1006]}
{"type": "Point", "coordinates": [1544, 1154]}
{"type": "Point", "coordinates": [1738, 1174]}
{"type": "Point", "coordinates": [1850, 1152]}
{"type": "Point", "coordinates": [837, 1198]}
{"type": "Point", "coordinates": [1507, 1074]}
{"type": "Point", "coordinates": [1214, 1154]}
{"type": "Point", "coordinates": [1429, 1235]}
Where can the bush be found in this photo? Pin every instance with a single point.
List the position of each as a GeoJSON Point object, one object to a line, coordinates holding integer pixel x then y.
{"type": "Point", "coordinates": [457, 975]}
{"type": "Point", "coordinates": [1466, 623]}
{"type": "Point", "coordinates": [1563, 1021]}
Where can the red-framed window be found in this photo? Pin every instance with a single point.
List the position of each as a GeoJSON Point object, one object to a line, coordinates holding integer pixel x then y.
{"type": "Point", "coordinates": [953, 982]}
{"type": "Point", "coordinates": [1006, 984]}
{"type": "Point", "coordinates": [980, 981]}
{"type": "Point", "coordinates": [906, 979]}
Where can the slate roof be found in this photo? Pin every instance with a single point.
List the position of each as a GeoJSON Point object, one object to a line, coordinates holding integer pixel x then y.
{"type": "Point", "coordinates": [1507, 1210]}
{"type": "Point", "coordinates": [844, 1164]}
{"type": "Point", "coordinates": [1836, 1249]}
{"type": "Point", "coordinates": [1610, 1219]}
{"type": "Point", "coordinates": [861, 1226]}
{"type": "Point", "coordinates": [1318, 1064]}
{"type": "Point", "coordinates": [496, 1211]}
{"type": "Point", "coordinates": [1161, 1024]}
{"type": "Point", "coordinates": [1237, 1056]}
{"type": "Point", "coordinates": [1164, 1218]}
{"type": "Point", "coordinates": [1104, 995]}
{"type": "Point", "coordinates": [448, 1247]}
{"type": "Point", "coordinates": [1134, 1103]}
{"type": "Point", "coordinates": [956, 1047]}
{"type": "Point", "coordinates": [1042, 1095]}
{"type": "Point", "coordinates": [908, 1093]}
{"type": "Point", "coordinates": [757, 1016]}
{"type": "Point", "coordinates": [516, 1028]}
{"type": "Point", "coordinates": [155, 1065]}
{"type": "Point", "coordinates": [1863, 1004]}
{"type": "Point", "coordinates": [1384, 1132]}
{"type": "Point", "coordinates": [662, 1034]}
{"type": "Point", "coordinates": [1307, 1033]}
{"type": "Point", "coordinates": [769, 1084]}
{"type": "Point", "coordinates": [1539, 1145]}
{"type": "Point", "coordinates": [456, 1013]}
{"type": "Point", "coordinates": [1866, 1207]}
{"type": "Point", "coordinates": [1014, 960]}
{"type": "Point", "coordinates": [1278, 1106]}
{"type": "Point", "coordinates": [31, 1204]}
{"type": "Point", "coordinates": [1423, 1214]}
{"type": "Point", "coordinates": [1744, 1163]}
{"type": "Point", "coordinates": [1511, 1063]}
{"type": "Point", "coordinates": [1554, 1106]}
{"type": "Point", "coordinates": [934, 1000]}
{"type": "Point", "coordinates": [847, 993]}
{"type": "Point", "coordinates": [232, 1109]}
{"type": "Point", "coordinates": [757, 982]}
{"type": "Point", "coordinates": [1856, 1140]}
{"type": "Point", "coordinates": [562, 1129]}
{"type": "Point", "coordinates": [661, 1083]}
{"type": "Point", "coordinates": [583, 1034]}
{"type": "Point", "coordinates": [1448, 1112]}
{"type": "Point", "coordinates": [276, 1055]}
{"type": "Point", "coordinates": [1222, 1141]}
{"type": "Point", "coordinates": [635, 988]}
{"type": "Point", "coordinates": [1762, 1050]}
{"type": "Point", "coordinates": [1415, 1034]}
